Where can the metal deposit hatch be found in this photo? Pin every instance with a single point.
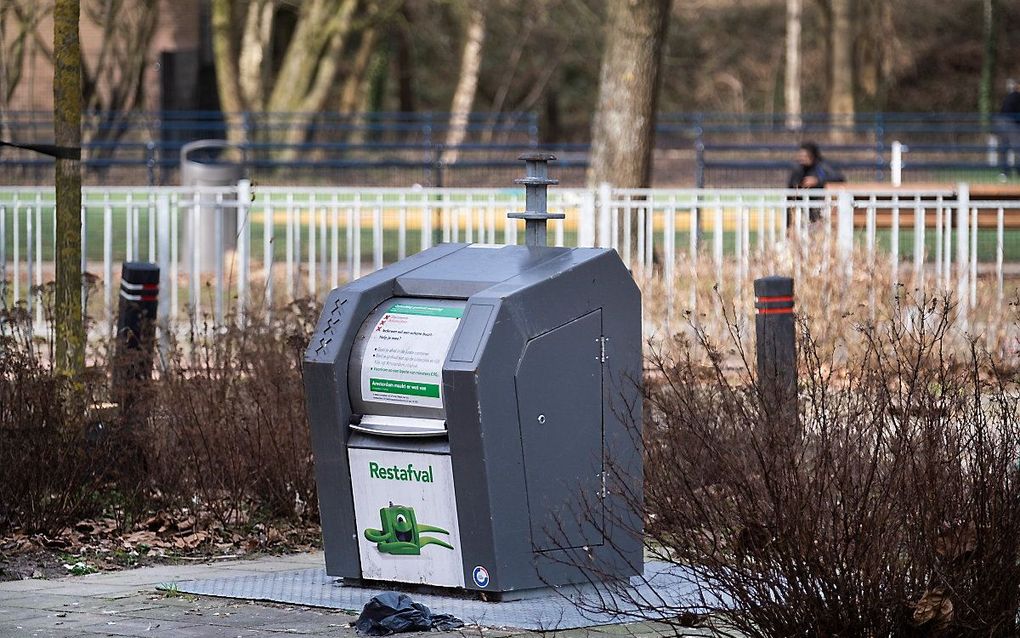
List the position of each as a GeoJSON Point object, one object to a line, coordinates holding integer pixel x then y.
{"type": "Point", "coordinates": [562, 439]}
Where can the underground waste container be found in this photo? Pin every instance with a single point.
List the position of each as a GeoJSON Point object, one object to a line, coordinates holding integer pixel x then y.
{"type": "Point", "coordinates": [475, 416]}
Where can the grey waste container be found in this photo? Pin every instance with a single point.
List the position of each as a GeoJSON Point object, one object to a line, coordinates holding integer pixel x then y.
{"type": "Point", "coordinates": [204, 163]}
{"type": "Point", "coordinates": [475, 414]}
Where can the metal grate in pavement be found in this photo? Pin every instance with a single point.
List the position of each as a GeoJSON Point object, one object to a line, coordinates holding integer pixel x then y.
{"type": "Point", "coordinates": [663, 585]}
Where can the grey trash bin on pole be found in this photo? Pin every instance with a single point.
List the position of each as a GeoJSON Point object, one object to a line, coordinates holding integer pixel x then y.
{"type": "Point", "coordinates": [203, 164]}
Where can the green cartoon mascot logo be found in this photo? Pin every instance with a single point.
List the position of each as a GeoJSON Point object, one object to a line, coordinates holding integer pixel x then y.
{"type": "Point", "coordinates": [401, 533]}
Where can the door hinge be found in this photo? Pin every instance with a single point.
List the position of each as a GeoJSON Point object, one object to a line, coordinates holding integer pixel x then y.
{"type": "Point", "coordinates": [602, 356]}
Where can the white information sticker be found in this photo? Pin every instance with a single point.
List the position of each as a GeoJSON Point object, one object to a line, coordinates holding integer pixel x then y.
{"type": "Point", "coordinates": [406, 513]}
{"type": "Point", "coordinates": [405, 353]}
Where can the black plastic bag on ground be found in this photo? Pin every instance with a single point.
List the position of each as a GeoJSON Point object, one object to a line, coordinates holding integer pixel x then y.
{"type": "Point", "coordinates": [393, 613]}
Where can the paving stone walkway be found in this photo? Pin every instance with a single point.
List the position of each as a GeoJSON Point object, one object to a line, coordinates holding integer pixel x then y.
{"type": "Point", "coordinates": [126, 603]}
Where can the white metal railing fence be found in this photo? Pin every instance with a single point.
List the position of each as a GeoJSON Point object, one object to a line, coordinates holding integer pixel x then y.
{"type": "Point", "coordinates": [293, 242]}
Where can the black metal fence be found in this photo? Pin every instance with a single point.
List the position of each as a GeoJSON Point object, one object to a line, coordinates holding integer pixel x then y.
{"type": "Point", "coordinates": [401, 149]}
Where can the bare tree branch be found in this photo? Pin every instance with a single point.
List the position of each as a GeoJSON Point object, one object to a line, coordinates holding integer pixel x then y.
{"type": "Point", "coordinates": [31, 15]}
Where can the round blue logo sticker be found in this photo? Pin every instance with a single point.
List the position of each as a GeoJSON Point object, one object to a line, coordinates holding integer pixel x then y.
{"type": "Point", "coordinates": [481, 576]}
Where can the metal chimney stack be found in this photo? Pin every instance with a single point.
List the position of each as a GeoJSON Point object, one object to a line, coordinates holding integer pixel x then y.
{"type": "Point", "coordinates": [536, 181]}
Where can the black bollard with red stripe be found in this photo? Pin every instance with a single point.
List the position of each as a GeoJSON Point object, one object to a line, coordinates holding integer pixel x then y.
{"type": "Point", "coordinates": [136, 328]}
{"type": "Point", "coordinates": [775, 327]}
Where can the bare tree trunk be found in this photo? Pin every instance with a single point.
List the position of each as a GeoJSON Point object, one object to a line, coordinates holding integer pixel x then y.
{"type": "Point", "coordinates": [318, 91]}
{"type": "Point", "coordinates": [405, 61]}
{"type": "Point", "coordinates": [890, 46]}
{"type": "Point", "coordinates": [538, 87]}
{"type": "Point", "coordinates": [521, 44]}
{"type": "Point", "coordinates": [255, 56]}
{"type": "Point", "coordinates": [552, 128]}
{"type": "Point", "coordinates": [355, 84]}
{"type": "Point", "coordinates": [841, 95]}
{"type": "Point", "coordinates": [310, 63]}
{"type": "Point", "coordinates": [467, 84]}
{"type": "Point", "coordinates": [876, 48]}
{"type": "Point", "coordinates": [227, 75]}
{"type": "Point", "coordinates": [623, 131]}
{"type": "Point", "coordinates": [70, 328]}
{"type": "Point", "coordinates": [310, 66]}
{"type": "Point", "coordinates": [988, 33]}
{"type": "Point", "coordinates": [794, 10]}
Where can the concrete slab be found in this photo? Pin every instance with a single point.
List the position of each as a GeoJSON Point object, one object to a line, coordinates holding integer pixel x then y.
{"type": "Point", "coordinates": [136, 627]}
{"type": "Point", "coordinates": [159, 610]}
{"type": "Point", "coordinates": [68, 622]}
{"type": "Point", "coordinates": [19, 632]}
{"type": "Point", "coordinates": [10, 615]}
{"type": "Point", "coordinates": [28, 584]}
{"type": "Point", "coordinates": [71, 602]}
{"type": "Point", "coordinates": [206, 631]}
{"type": "Point", "coordinates": [145, 575]}
{"type": "Point", "coordinates": [80, 605]}
{"type": "Point", "coordinates": [93, 590]}
{"type": "Point", "coordinates": [310, 626]}
{"type": "Point", "coordinates": [276, 617]}
{"type": "Point", "coordinates": [16, 599]}
{"type": "Point", "coordinates": [49, 601]}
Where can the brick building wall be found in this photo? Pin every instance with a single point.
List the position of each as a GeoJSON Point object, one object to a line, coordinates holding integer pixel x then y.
{"type": "Point", "coordinates": [181, 28]}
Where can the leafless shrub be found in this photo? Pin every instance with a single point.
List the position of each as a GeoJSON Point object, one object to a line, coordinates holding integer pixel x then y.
{"type": "Point", "coordinates": [219, 430]}
{"type": "Point", "coordinates": [228, 426]}
{"type": "Point", "coordinates": [892, 510]}
{"type": "Point", "coordinates": [49, 471]}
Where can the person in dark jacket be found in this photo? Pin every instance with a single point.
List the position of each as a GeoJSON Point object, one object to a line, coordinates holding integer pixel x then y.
{"type": "Point", "coordinates": [1011, 104]}
{"type": "Point", "coordinates": [812, 171]}
{"type": "Point", "coordinates": [1008, 124]}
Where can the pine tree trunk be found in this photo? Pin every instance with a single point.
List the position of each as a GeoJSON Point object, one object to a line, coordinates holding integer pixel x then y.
{"type": "Point", "coordinates": [794, 10]}
{"type": "Point", "coordinates": [841, 43]}
{"type": "Point", "coordinates": [623, 131]}
{"type": "Point", "coordinates": [70, 328]}
{"type": "Point", "coordinates": [464, 94]}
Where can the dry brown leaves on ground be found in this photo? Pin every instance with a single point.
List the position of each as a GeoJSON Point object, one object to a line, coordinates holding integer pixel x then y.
{"type": "Point", "coordinates": [162, 537]}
